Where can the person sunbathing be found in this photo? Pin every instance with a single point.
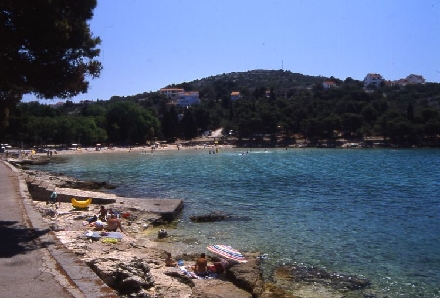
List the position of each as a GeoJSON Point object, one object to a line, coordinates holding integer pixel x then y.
{"type": "Point", "coordinates": [113, 224]}
{"type": "Point", "coordinates": [169, 261]}
{"type": "Point", "coordinates": [201, 266]}
{"type": "Point", "coordinates": [97, 224]}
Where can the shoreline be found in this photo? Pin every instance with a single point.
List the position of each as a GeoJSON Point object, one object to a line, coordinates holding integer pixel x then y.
{"type": "Point", "coordinates": [139, 246]}
{"type": "Point", "coordinates": [71, 240]}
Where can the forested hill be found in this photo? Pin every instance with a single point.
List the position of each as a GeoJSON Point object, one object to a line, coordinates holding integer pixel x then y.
{"type": "Point", "coordinates": [275, 105]}
{"type": "Point", "coordinates": [276, 79]}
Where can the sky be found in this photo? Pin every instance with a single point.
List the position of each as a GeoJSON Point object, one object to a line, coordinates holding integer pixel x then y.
{"type": "Point", "coordinates": [149, 44]}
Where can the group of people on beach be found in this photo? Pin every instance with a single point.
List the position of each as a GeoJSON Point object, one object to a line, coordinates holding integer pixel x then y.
{"type": "Point", "coordinates": [201, 267]}
{"type": "Point", "coordinates": [106, 219]}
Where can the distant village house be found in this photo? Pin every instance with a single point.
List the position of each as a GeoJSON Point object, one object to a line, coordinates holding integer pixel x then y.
{"type": "Point", "coordinates": [190, 98]}
{"type": "Point", "coordinates": [171, 93]}
{"type": "Point", "coordinates": [328, 84]}
{"type": "Point", "coordinates": [373, 80]}
{"type": "Point", "coordinates": [412, 79]}
{"type": "Point", "coordinates": [235, 95]}
{"type": "Point", "coordinates": [181, 97]}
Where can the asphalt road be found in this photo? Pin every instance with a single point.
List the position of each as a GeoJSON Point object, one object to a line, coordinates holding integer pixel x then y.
{"type": "Point", "coordinates": [27, 269]}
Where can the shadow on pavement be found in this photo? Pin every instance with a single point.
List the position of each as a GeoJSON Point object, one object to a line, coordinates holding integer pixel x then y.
{"type": "Point", "coordinates": [17, 239]}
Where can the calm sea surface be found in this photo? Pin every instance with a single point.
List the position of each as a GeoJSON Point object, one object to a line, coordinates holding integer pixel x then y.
{"type": "Point", "coordinates": [372, 213]}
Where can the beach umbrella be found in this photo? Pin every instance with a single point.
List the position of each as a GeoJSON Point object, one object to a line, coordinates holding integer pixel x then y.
{"type": "Point", "coordinates": [227, 252]}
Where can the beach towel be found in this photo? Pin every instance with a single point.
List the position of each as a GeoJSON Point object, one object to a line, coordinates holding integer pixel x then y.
{"type": "Point", "coordinates": [98, 235]}
{"type": "Point", "coordinates": [209, 275]}
{"type": "Point", "coordinates": [93, 235]}
{"type": "Point", "coordinates": [109, 240]}
{"type": "Point", "coordinates": [189, 273]}
{"type": "Point", "coordinates": [115, 235]}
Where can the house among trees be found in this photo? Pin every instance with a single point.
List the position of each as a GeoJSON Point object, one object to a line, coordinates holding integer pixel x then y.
{"type": "Point", "coordinates": [411, 79]}
{"type": "Point", "coordinates": [181, 97]}
{"type": "Point", "coordinates": [328, 84]}
{"type": "Point", "coordinates": [373, 80]}
{"type": "Point", "coordinates": [189, 98]}
{"type": "Point", "coordinates": [235, 95]}
{"type": "Point", "coordinates": [415, 79]}
{"type": "Point", "coordinates": [171, 93]}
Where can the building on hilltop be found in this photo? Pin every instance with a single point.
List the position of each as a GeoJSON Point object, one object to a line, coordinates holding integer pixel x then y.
{"type": "Point", "coordinates": [373, 80]}
{"type": "Point", "coordinates": [181, 97]}
{"type": "Point", "coordinates": [171, 93]}
{"type": "Point", "coordinates": [411, 79]}
{"type": "Point", "coordinates": [415, 79]}
{"type": "Point", "coordinates": [190, 98]}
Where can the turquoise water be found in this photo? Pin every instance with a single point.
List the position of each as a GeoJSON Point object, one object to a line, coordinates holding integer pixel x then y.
{"type": "Point", "coordinates": [372, 213]}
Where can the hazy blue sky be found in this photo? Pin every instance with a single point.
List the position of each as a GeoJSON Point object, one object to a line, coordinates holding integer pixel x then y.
{"type": "Point", "coordinates": [148, 44]}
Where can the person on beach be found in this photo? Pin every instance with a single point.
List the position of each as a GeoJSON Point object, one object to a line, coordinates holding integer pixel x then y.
{"type": "Point", "coordinates": [98, 225]}
{"type": "Point", "coordinates": [102, 215]}
{"type": "Point", "coordinates": [110, 212]}
{"type": "Point", "coordinates": [92, 219]}
{"type": "Point", "coordinates": [201, 266]}
{"type": "Point", "coordinates": [169, 261]}
{"type": "Point", "coordinates": [113, 224]}
{"type": "Point", "coordinates": [53, 199]}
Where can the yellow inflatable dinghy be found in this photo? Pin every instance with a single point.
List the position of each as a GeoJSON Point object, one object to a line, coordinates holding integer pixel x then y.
{"type": "Point", "coordinates": [81, 204]}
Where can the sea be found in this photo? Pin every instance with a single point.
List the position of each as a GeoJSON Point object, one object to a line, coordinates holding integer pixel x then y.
{"type": "Point", "coordinates": [372, 213]}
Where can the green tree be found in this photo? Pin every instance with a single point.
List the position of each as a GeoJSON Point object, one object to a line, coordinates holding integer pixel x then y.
{"type": "Point", "coordinates": [127, 123]}
{"type": "Point", "coordinates": [46, 48]}
{"type": "Point", "coordinates": [330, 124]}
{"type": "Point", "coordinates": [400, 129]}
{"type": "Point", "coordinates": [169, 123]}
{"type": "Point", "coordinates": [410, 112]}
{"type": "Point", "coordinates": [429, 114]}
{"type": "Point", "coordinates": [369, 113]}
{"type": "Point", "coordinates": [311, 128]}
{"type": "Point", "coordinates": [189, 125]}
{"type": "Point", "coordinates": [351, 122]}
{"type": "Point", "coordinates": [432, 128]}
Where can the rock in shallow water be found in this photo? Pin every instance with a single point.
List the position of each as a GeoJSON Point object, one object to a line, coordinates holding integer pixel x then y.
{"type": "Point", "coordinates": [247, 276]}
{"type": "Point", "coordinates": [293, 276]}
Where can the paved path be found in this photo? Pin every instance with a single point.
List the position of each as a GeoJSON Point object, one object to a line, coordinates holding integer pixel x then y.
{"type": "Point", "coordinates": [32, 262]}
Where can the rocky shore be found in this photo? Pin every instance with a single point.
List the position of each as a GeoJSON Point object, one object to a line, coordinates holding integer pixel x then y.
{"type": "Point", "coordinates": [134, 265]}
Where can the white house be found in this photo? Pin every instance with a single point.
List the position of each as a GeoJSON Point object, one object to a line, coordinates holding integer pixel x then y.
{"type": "Point", "coordinates": [328, 84]}
{"type": "Point", "coordinates": [372, 80]}
{"type": "Point", "coordinates": [411, 79]}
{"type": "Point", "coordinates": [188, 98]}
{"type": "Point", "coordinates": [415, 79]}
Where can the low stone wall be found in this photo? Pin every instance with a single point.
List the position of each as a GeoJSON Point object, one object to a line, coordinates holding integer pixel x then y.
{"type": "Point", "coordinates": [41, 190]}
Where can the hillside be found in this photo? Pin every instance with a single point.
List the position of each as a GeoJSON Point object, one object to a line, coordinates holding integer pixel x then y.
{"type": "Point", "coordinates": [277, 79]}
{"type": "Point", "coordinates": [298, 108]}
